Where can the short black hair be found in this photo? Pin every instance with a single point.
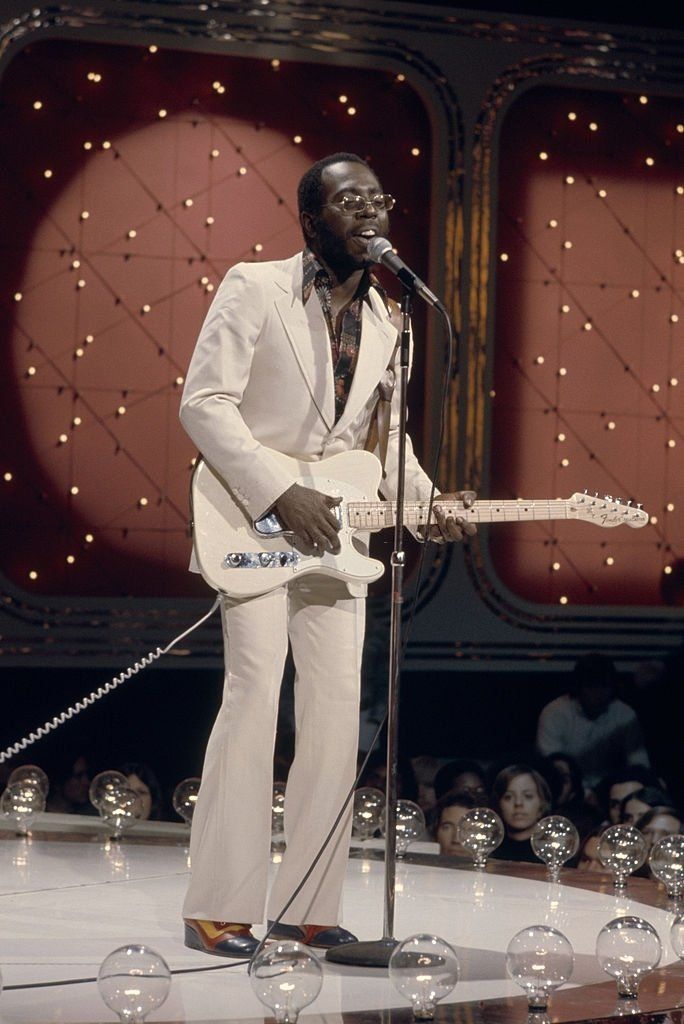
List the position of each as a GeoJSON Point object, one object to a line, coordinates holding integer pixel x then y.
{"type": "Point", "coordinates": [448, 773]}
{"type": "Point", "coordinates": [310, 188]}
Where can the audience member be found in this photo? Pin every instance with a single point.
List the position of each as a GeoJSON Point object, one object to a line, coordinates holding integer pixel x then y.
{"type": "Point", "coordinates": [70, 779]}
{"type": "Point", "coordinates": [463, 776]}
{"type": "Point", "coordinates": [375, 775]}
{"type": "Point", "coordinates": [616, 787]}
{"type": "Point", "coordinates": [567, 790]}
{"type": "Point", "coordinates": [601, 732]}
{"type": "Point", "coordinates": [638, 803]}
{"type": "Point", "coordinates": [447, 816]}
{"type": "Point", "coordinates": [424, 769]}
{"type": "Point", "coordinates": [521, 796]}
{"type": "Point", "coordinates": [659, 822]}
{"type": "Point", "coordinates": [144, 784]}
{"type": "Point", "coordinates": [588, 858]}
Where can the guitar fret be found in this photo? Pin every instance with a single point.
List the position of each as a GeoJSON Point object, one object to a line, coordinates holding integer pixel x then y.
{"type": "Point", "coordinates": [375, 515]}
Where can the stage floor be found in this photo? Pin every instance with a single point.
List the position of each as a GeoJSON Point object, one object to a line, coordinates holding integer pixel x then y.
{"type": "Point", "coordinates": [67, 901]}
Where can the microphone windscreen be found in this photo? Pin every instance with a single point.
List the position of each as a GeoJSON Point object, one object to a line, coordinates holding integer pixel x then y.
{"type": "Point", "coordinates": [377, 249]}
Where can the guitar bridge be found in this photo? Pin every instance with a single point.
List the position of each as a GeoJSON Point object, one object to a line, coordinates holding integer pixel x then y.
{"type": "Point", "coordinates": [260, 559]}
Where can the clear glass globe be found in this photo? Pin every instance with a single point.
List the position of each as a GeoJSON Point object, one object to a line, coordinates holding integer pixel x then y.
{"type": "Point", "coordinates": [278, 811]}
{"type": "Point", "coordinates": [21, 802]}
{"type": "Point", "coordinates": [666, 861]}
{"type": "Point", "coordinates": [105, 786]}
{"type": "Point", "coordinates": [627, 948]}
{"type": "Point", "coordinates": [423, 969]}
{"type": "Point", "coordinates": [410, 825]}
{"type": "Point", "coordinates": [31, 774]}
{"type": "Point", "coordinates": [133, 981]}
{"type": "Point", "coordinates": [185, 797]}
{"type": "Point", "coordinates": [480, 831]}
{"type": "Point", "coordinates": [286, 977]}
{"type": "Point", "coordinates": [555, 840]}
{"type": "Point", "coordinates": [539, 959]}
{"type": "Point", "coordinates": [119, 811]}
{"type": "Point", "coordinates": [369, 804]}
{"type": "Point", "coordinates": [677, 936]}
{"type": "Point", "coordinates": [622, 849]}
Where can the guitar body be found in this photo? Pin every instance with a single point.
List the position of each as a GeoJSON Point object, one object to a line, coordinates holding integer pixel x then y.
{"type": "Point", "coordinates": [235, 559]}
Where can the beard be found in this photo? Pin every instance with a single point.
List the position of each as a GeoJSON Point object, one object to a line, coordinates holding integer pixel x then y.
{"type": "Point", "coordinates": [334, 252]}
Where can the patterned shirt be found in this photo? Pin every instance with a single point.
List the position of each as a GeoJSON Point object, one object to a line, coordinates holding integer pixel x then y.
{"type": "Point", "coordinates": [345, 336]}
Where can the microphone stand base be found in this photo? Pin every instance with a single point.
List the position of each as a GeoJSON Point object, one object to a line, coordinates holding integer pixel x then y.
{"type": "Point", "coordinates": [375, 953]}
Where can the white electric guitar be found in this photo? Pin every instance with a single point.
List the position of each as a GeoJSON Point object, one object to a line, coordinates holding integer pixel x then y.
{"type": "Point", "coordinates": [243, 559]}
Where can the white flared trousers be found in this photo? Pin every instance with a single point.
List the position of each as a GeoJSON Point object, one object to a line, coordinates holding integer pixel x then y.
{"type": "Point", "coordinates": [231, 829]}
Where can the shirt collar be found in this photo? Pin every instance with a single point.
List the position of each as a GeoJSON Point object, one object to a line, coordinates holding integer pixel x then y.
{"type": "Point", "coordinates": [311, 268]}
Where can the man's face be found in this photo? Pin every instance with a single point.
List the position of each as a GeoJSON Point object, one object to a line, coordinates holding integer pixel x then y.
{"type": "Point", "coordinates": [616, 795]}
{"type": "Point", "coordinates": [341, 239]}
{"type": "Point", "coordinates": [595, 698]}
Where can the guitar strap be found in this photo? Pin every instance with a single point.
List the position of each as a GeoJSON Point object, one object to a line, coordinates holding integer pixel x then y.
{"type": "Point", "coordinates": [378, 429]}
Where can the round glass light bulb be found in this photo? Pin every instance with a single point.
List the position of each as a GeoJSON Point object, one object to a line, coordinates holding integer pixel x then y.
{"type": "Point", "coordinates": [286, 977]}
{"type": "Point", "coordinates": [278, 811]}
{"type": "Point", "coordinates": [622, 849]}
{"type": "Point", "coordinates": [480, 832]}
{"type": "Point", "coordinates": [120, 810]}
{"type": "Point", "coordinates": [410, 824]}
{"type": "Point", "coordinates": [21, 802]}
{"type": "Point", "coordinates": [368, 807]}
{"type": "Point", "coordinates": [185, 797]}
{"type": "Point", "coordinates": [666, 861]}
{"type": "Point", "coordinates": [677, 935]}
{"type": "Point", "coordinates": [539, 959]}
{"type": "Point", "coordinates": [423, 969]}
{"type": "Point", "coordinates": [555, 840]}
{"type": "Point", "coordinates": [132, 981]}
{"type": "Point", "coordinates": [31, 774]}
{"type": "Point", "coordinates": [627, 948]}
{"type": "Point", "coordinates": [106, 785]}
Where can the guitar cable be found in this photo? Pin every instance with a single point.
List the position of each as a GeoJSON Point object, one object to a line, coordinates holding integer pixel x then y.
{"type": "Point", "coordinates": [153, 656]}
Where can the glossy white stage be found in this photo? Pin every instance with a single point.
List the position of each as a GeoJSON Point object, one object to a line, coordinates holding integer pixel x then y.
{"type": "Point", "coordinates": [68, 901]}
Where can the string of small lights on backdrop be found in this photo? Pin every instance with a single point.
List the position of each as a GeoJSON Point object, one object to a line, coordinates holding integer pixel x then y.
{"type": "Point", "coordinates": [134, 177]}
{"type": "Point", "coordinates": [588, 346]}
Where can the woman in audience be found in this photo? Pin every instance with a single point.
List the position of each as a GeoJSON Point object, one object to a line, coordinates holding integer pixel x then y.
{"type": "Point", "coordinates": [622, 784]}
{"type": "Point", "coordinates": [659, 822]}
{"type": "Point", "coordinates": [567, 790]}
{"type": "Point", "coordinates": [144, 784]}
{"type": "Point", "coordinates": [521, 796]}
{"type": "Point", "coordinates": [637, 804]}
{"type": "Point", "coordinates": [447, 817]}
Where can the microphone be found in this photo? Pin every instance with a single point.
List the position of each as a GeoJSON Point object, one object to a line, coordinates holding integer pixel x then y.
{"type": "Point", "coordinates": [380, 251]}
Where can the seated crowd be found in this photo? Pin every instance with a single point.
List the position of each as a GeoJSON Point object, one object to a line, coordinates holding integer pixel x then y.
{"type": "Point", "coordinates": [523, 794]}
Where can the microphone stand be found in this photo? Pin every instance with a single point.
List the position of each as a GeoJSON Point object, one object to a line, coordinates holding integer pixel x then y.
{"type": "Point", "coordinates": [376, 953]}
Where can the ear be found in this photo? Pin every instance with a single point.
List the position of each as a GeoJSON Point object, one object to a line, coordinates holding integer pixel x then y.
{"type": "Point", "coordinates": [308, 222]}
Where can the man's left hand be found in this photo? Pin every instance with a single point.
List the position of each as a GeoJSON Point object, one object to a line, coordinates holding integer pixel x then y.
{"type": "Point", "coordinates": [452, 527]}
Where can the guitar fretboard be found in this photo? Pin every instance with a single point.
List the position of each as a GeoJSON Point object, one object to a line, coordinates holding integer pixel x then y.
{"type": "Point", "coordinates": [374, 515]}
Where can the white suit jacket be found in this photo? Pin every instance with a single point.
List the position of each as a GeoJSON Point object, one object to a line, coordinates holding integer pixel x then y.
{"type": "Point", "coordinates": [261, 378]}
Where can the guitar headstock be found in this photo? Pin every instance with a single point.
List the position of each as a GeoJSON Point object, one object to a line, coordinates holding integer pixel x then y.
{"type": "Point", "coordinates": [606, 510]}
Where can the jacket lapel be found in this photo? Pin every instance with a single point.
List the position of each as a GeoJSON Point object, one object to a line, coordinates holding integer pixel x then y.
{"type": "Point", "coordinates": [308, 335]}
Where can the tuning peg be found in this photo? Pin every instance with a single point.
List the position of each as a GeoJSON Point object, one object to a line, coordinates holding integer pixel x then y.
{"type": "Point", "coordinates": [639, 504]}
{"type": "Point", "coordinates": [607, 497]}
{"type": "Point", "coordinates": [596, 494]}
{"type": "Point", "coordinates": [618, 501]}
{"type": "Point", "coordinates": [629, 501]}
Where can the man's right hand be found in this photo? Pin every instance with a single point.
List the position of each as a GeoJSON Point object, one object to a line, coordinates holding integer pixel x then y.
{"type": "Point", "coordinates": [306, 513]}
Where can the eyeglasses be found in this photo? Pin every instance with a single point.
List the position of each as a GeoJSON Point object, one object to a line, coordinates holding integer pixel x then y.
{"type": "Point", "coordinates": [358, 204]}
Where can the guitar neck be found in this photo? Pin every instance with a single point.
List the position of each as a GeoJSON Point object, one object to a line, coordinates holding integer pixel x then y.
{"type": "Point", "coordinates": [375, 515]}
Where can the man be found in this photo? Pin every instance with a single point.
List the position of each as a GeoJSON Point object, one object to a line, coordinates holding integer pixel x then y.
{"type": "Point", "coordinates": [590, 724]}
{"type": "Point", "coordinates": [289, 359]}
